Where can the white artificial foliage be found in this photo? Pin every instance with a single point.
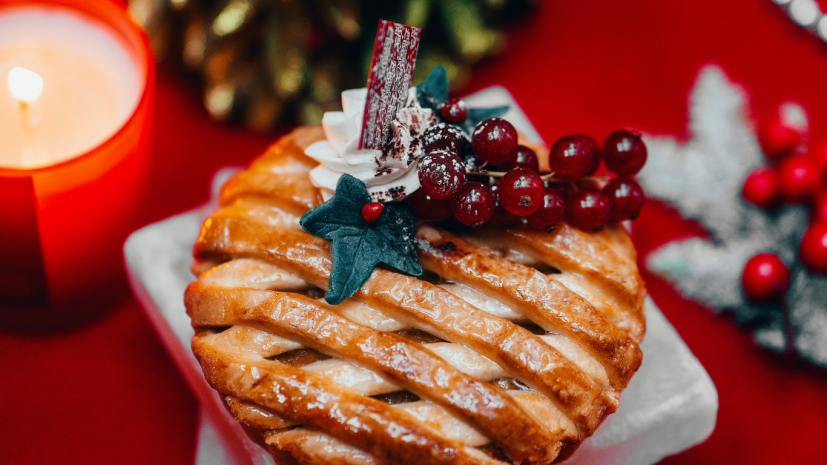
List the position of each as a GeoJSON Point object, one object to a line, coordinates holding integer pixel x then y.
{"type": "Point", "coordinates": [703, 179]}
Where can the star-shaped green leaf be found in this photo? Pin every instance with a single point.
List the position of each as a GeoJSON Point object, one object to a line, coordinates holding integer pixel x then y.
{"type": "Point", "coordinates": [358, 246]}
{"type": "Point", "coordinates": [433, 93]}
{"type": "Point", "coordinates": [478, 115]}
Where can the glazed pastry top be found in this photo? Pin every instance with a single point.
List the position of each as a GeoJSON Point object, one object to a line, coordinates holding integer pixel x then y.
{"type": "Point", "coordinates": [512, 348]}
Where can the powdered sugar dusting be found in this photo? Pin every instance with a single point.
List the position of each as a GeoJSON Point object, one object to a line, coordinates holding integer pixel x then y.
{"type": "Point", "coordinates": [394, 57]}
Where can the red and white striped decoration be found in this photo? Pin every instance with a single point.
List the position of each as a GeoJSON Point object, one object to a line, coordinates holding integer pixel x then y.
{"type": "Point", "coordinates": [391, 70]}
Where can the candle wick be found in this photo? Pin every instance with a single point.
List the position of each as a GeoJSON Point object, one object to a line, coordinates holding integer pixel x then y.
{"type": "Point", "coordinates": [30, 155]}
{"type": "Point", "coordinates": [27, 116]}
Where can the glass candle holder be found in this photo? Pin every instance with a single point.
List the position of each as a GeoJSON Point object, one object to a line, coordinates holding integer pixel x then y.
{"type": "Point", "coordinates": [73, 160]}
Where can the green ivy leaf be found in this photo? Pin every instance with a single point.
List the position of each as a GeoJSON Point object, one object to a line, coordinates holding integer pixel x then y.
{"type": "Point", "coordinates": [478, 115]}
{"type": "Point", "coordinates": [358, 246]}
{"type": "Point", "coordinates": [434, 91]}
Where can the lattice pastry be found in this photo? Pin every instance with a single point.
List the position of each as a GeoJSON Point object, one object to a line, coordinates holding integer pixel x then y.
{"type": "Point", "coordinates": [512, 348]}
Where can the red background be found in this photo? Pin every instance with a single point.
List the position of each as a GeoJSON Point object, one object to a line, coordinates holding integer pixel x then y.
{"type": "Point", "coordinates": [108, 393]}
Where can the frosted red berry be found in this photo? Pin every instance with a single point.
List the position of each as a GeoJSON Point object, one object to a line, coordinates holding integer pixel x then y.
{"type": "Point", "coordinates": [443, 138]}
{"type": "Point", "coordinates": [625, 198]}
{"type": "Point", "coordinates": [428, 208]}
{"type": "Point", "coordinates": [501, 217]}
{"type": "Point", "coordinates": [798, 179]}
{"type": "Point", "coordinates": [813, 249]}
{"type": "Point", "coordinates": [441, 175]}
{"type": "Point", "coordinates": [474, 204]}
{"type": "Point", "coordinates": [562, 189]}
{"type": "Point", "coordinates": [624, 153]}
{"type": "Point", "coordinates": [761, 189]}
{"type": "Point", "coordinates": [551, 211]}
{"type": "Point", "coordinates": [453, 111]}
{"type": "Point", "coordinates": [765, 278]}
{"type": "Point", "coordinates": [494, 141]}
{"type": "Point", "coordinates": [589, 141]}
{"type": "Point", "coordinates": [521, 191]}
{"type": "Point", "coordinates": [572, 157]}
{"type": "Point", "coordinates": [523, 157]}
{"type": "Point", "coordinates": [372, 211]}
{"type": "Point", "coordinates": [587, 209]}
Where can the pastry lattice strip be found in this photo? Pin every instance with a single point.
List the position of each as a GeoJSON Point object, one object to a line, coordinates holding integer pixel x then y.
{"type": "Point", "coordinates": [269, 254]}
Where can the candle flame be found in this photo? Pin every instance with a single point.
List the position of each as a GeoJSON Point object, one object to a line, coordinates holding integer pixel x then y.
{"type": "Point", "coordinates": [25, 85]}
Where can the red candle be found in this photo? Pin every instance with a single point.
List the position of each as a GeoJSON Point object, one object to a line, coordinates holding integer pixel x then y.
{"type": "Point", "coordinates": [73, 157]}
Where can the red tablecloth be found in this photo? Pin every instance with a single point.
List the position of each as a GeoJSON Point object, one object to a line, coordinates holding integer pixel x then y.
{"type": "Point", "coordinates": [107, 393]}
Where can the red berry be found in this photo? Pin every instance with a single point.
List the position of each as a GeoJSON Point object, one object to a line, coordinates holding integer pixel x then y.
{"type": "Point", "coordinates": [761, 189]}
{"type": "Point", "coordinates": [494, 140]}
{"type": "Point", "coordinates": [474, 204]}
{"type": "Point", "coordinates": [819, 212]}
{"type": "Point", "coordinates": [428, 208]}
{"type": "Point", "coordinates": [819, 157]}
{"type": "Point", "coordinates": [443, 138]}
{"type": "Point", "coordinates": [765, 278]}
{"type": "Point", "coordinates": [798, 179]}
{"type": "Point", "coordinates": [587, 209]}
{"type": "Point", "coordinates": [572, 157]}
{"type": "Point", "coordinates": [501, 216]}
{"type": "Point", "coordinates": [813, 249]}
{"type": "Point", "coordinates": [521, 191]}
{"type": "Point", "coordinates": [551, 210]}
{"type": "Point", "coordinates": [782, 132]}
{"type": "Point", "coordinates": [453, 111]}
{"type": "Point", "coordinates": [564, 190]}
{"type": "Point", "coordinates": [588, 140]}
{"type": "Point", "coordinates": [441, 175]}
{"type": "Point", "coordinates": [371, 211]}
{"type": "Point", "coordinates": [524, 158]}
{"type": "Point", "coordinates": [624, 153]}
{"type": "Point", "coordinates": [625, 198]}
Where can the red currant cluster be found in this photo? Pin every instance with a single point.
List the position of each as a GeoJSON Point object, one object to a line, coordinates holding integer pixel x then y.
{"type": "Point", "coordinates": [456, 182]}
{"type": "Point", "coordinates": [792, 177]}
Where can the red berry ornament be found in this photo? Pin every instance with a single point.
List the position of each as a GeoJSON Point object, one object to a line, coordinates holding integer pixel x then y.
{"type": "Point", "coordinates": [782, 132]}
{"type": "Point", "coordinates": [441, 175]}
{"type": "Point", "coordinates": [524, 158]}
{"type": "Point", "coordinates": [765, 278]}
{"type": "Point", "coordinates": [474, 204]}
{"type": "Point", "coordinates": [819, 212]}
{"type": "Point", "coordinates": [443, 138]}
{"type": "Point", "coordinates": [453, 111]}
{"type": "Point", "coordinates": [572, 157]}
{"type": "Point", "coordinates": [625, 198]}
{"type": "Point", "coordinates": [494, 141]}
{"type": "Point", "coordinates": [624, 153]}
{"type": "Point", "coordinates": [798, 179]}
{"type": "Point", "coordinates": [551, 210]}
{"type": "Point", "coordinates": [813, 249]}
{"type": "Point", "coordinates": [428, 208]}
{"type": "Point", "coordinates": [521, 191]}
{"type": "Point", "coordinates": [371, 211]}
{"type": "Point", "coordinates": [761, 189]}
{"type": "Point", "coordinates": [819, 158]}
{"type": "Point", "coordinates": [587, 209]}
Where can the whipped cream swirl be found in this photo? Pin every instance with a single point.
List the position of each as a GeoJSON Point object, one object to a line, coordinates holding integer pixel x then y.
{"type": "Point", "coordinates": [389, 174]}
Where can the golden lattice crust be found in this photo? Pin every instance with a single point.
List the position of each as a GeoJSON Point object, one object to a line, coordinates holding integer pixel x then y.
{"type": "Point", "coordinates": [513, 351]}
